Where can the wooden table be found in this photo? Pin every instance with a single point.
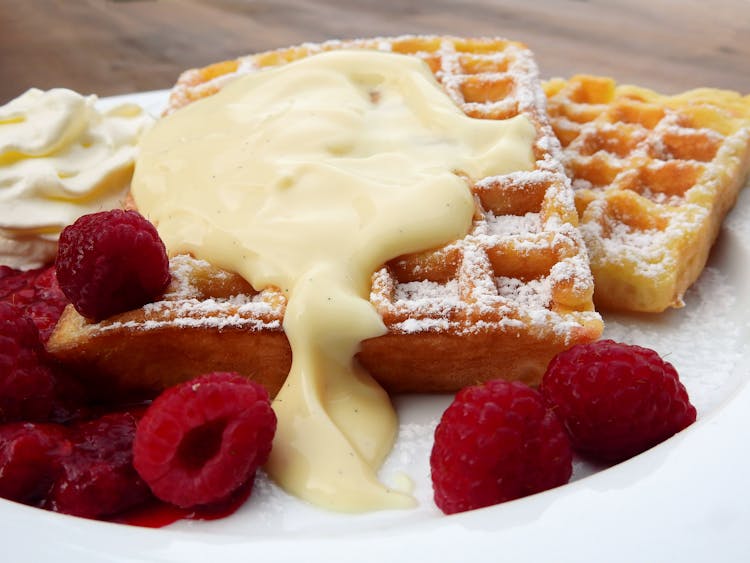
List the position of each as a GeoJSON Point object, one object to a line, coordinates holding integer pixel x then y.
{"type": "Point", "coordinates": [110, 47]}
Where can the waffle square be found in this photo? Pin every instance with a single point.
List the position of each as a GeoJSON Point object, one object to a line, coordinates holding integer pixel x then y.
{"type": "Point", "coordinates": [654, 176]}
{"type": "Point", "coordinates": [499, 303]}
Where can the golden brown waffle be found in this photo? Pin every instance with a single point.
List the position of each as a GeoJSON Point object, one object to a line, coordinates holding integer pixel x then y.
{"type": "Point", "coordinates": [654, 177]}
{"type": "Point", "coordinates": [497, 304]}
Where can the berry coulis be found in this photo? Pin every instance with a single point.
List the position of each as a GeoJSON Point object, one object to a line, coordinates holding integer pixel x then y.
{"type": "Point", "coordinates": [157, 514]}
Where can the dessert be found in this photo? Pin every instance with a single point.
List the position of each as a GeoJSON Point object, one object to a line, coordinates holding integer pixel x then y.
{"type": "Point", "coordinates": [492, 288]}
{"type": "Point", "coordinates": [202, 289]}
{"type": "Point", "coordinates": [654, 177]}
{"type": "Point", "coordinates": [60, 158]}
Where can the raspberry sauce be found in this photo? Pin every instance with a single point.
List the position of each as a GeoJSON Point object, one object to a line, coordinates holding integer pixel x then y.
{"type": "Point", "coordinates": [158, 514]}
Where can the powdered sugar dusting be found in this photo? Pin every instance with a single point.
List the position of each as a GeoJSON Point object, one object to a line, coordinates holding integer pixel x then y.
{"type": "Point", "coordinates": [652, 253]}
{"type": "Point", "coordinates": [531, 296]}
{"type": "Point", "coordinates": [184, 305]}
{"type": "Point", "coordinates": [480, 291]}
{"type": "Point", "coordinates": [511, 225]}
{"type": "Point", "coordinates": [650, 175]}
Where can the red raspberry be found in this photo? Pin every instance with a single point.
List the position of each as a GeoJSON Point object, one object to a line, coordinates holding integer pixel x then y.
{"type": "Point", "coordinates": [37, 293]}
{"type": "Point", "coordinates": [111, 262]}
{"type": "Point", "coordinates": [497, 442]}
{"type": "Point", "coordinates": [26, 382]}
{"type": "Point", "coordinates": [72, 399]}
{"type": "Point", "coordinates": [616, 400]}
{"type": "Point", "coordinates": [201, 440]}
{"type": "Point", "coordinates": [98, 478]}
{"type": "Point", "coordinates": [30, 456]}
{"type": "Point", "coordinates": [14, 285]}
{"type": "Point", "coordinates": [48, 304]}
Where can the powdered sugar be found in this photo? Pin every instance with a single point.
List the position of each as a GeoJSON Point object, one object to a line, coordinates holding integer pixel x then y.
{"type": "Point", "coordinates": [237, 311]}
{"type": "Point", "coordinates": [529, 297]}
{"type": "Point", "coordinates": [652, 253]}
{"type": "Point", "coordinates": [428, 291]}
{"type": "Point", "coordinates": [512, 225]}
{"type": "Point", "coordinates": [651, 176]}
{"type": "Point", "coordinates": [646, 250]}
{"type": "Point", "coordinates": [184, 305]}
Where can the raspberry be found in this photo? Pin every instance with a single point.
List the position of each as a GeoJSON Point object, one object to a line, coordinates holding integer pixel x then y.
{"type": "Point", "coordinates": [37, 293]}
{"type": "Point", "coordinates": [27, 384]}
{"type": "Point", "coordinates": [200, 441]}
{"type": "Point", "coordinates": [494, 443]}
{"type": "Point", "coordinates": [48, 304]}
{"type": "Point", "coordinates": [111, 262]}
{"type": "Point", "coordinates": [616, 400]}
{"type": "Point", "coordinates": [30, 456]}
{"type": "Point", "coordinates": [71, 398]}
{"type": "Point", "coordinates": [98, 478]}
{"type": "Point", "coordinates": [14, 285]}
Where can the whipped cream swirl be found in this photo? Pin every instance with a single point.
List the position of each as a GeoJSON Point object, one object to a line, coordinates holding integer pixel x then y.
{"type": "Point", "coordinates": [60, 158]}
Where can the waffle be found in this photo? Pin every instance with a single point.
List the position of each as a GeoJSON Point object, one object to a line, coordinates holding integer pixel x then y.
{"type": "Point", "coordinates": [654, 177]}
{"type": "Point", "coordinates": [499, 303]}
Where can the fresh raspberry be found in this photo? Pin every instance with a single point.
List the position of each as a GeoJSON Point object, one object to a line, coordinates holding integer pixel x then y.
{"type": "Point", "coordinates": [494, 443]}
{"type": "Point", "coordinates": [72, 399]}
{"type": "Point", "coordinates": [98, 478]}
{"type": "Point", "coordinates": [30, 457]}
{"type": "Point", "coordinates": [48, 304]}
{"type": "Point", "coordinates": [15, 284]}
{"type": "Point", "coordinates": [27, 384]}
{"type": "Point", "coordinates": [37, 293]}
{"type": "Point", "coordinates": [111, 262]}
{"type": "Point", "coordinates": [616, 400]}
{"type": "Point", "coordinates": [201, 440]}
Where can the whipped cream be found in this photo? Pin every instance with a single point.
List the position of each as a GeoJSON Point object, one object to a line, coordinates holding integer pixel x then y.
{"type": "Point", "coordinates": [60, 158]}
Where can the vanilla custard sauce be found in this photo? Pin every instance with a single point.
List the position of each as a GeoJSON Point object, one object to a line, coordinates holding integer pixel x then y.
{"type": "Point", "coordinates": [308, 177]}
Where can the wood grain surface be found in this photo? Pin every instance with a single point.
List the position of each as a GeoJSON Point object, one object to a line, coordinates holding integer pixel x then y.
{"type": "Point", "coordinates": [110, 47]}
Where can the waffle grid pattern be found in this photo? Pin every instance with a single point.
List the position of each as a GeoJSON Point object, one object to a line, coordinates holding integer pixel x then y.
{"type": "Point", "coordinates": [653, 177]}
{"type": "Point", "coordinates": [523, 264]}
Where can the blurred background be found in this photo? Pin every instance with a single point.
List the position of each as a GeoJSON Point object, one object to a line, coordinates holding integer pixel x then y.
{"type": "Point", "coordinates": [117, 46]}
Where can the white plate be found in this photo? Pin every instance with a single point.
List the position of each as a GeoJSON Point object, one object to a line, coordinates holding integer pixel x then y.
{"type": "Point", "coordinates": [685, 500]}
